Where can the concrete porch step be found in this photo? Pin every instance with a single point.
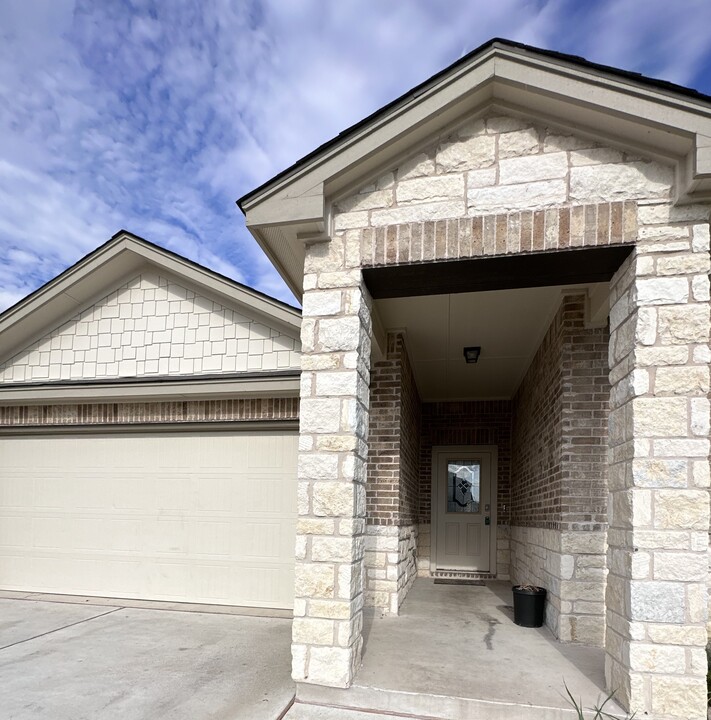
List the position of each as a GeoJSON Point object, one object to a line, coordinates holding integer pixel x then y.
{"type": "Point", "coordinates": [368, 703]}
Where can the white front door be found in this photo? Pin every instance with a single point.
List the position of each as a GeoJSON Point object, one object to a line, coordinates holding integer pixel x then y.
{"type": "Point", "coordinates": [464, 509]}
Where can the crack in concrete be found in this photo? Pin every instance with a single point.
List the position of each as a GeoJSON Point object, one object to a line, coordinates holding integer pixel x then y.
{"type": "Point", "coordinates": [64, 627]}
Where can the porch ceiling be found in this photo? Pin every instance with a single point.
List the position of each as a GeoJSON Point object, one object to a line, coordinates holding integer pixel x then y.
{"type": "Point", "coordinates": [508, 325]}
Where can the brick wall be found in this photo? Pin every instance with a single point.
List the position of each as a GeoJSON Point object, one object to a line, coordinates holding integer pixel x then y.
{"type": "Point", "coordinates": [486, 422]}
{"type": "Point", "coordinates": [152, 326]}
{"type": "Point", "coordinates": [393, 488]}
{"type": "Point", "coordinates": [186, 411]}
{"type": "Point", "coordinates": [559, 474]}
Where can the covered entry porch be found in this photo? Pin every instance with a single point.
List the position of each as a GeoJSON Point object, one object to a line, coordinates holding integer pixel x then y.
{"type": "Point", "coordinates": [495, 469]}
{"type": "Point", "coordinates": [454, 653]}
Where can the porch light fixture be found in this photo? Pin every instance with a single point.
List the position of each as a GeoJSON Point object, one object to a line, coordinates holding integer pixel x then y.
{"type": "Point", "coordinates": [471, 354]}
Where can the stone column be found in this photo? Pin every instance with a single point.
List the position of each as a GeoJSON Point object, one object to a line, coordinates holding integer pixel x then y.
{"type": "Point", "coordinates": [659, 471]}
{"type": "Point", "coordinates": [335, 338]}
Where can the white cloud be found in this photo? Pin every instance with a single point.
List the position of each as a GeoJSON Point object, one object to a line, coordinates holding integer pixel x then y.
{"type": "Point", "coordinates": [156, 116]}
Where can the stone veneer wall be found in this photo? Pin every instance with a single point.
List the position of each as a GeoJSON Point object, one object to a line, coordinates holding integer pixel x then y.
{"type": "Point", "coordinates": [133, 413]}
{"type": "Point", "coordinates": [559, 472]}
{"type": "Point", "coordinates": [500, 185]}
{"type": "Point", "coordinates": [657, 586]}
{"type": "Point", "coordinates": [485, 422]}
{"type": "Point", "coordinates": [392, 489]}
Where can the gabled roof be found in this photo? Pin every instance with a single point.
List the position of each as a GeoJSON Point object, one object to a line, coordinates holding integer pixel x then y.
{"type": "Point", "coordinates": [121, 258]}
{"type": "Point", "coordinates": [650, 116]}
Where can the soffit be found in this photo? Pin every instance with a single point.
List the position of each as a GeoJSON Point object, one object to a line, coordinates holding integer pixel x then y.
{"type": "Point", "coordinates": [508, 325]}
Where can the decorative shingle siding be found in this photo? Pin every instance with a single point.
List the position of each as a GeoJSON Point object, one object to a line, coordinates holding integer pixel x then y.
{"type": "Point", "coordinates": [152, 326]}
{"type": "Point", "coordinates": [188, 411]}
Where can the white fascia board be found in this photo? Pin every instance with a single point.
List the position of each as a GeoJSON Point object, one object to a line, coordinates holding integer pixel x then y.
{"type": "Point", "coordinates": [166, 390]}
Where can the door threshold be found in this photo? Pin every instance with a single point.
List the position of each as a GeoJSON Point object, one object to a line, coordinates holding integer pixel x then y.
{"type": "Point", "coordinates": [462, 575]}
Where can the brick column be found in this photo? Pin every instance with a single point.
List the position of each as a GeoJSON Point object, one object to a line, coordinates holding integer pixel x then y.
{"type": "Point", "coordinates": [335, 337]}
{"type": "Point", "coordinates": [659, 471]}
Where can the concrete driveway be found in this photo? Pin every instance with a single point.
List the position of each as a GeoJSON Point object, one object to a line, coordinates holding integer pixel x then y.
{"type": "Point", "coordinates": [63, 661]}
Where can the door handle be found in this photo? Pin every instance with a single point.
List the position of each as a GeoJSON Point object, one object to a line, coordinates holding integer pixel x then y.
{"type": "Point", "coordinates": [487, 520]}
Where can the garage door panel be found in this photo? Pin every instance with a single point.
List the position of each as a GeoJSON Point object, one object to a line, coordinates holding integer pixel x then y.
{"type": "Point", "coordinates": [167, 517]}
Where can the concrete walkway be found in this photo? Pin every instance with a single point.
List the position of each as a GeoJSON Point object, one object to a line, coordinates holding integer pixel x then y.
{"type": "Point", "coordinates": [454, 652]}
{"type": "Point", "coordinates": [63, 661]}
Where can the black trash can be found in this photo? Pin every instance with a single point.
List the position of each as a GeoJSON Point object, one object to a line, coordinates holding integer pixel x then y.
{"type": "Point", "coordinates": [529, 605]}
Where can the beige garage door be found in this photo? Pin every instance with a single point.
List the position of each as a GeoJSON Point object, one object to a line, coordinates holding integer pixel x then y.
{"type": "Point", "coordinates": [199, 517]}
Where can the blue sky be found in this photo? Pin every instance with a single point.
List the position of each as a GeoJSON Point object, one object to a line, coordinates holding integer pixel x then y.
{"type": "Point", "coordinates": [157, 116]}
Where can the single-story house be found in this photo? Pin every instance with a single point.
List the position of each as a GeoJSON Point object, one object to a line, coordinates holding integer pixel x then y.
{"type": "Point", "coordinates": [501, 370]}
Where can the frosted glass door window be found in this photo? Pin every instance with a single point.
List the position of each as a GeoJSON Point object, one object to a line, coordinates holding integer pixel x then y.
{"type": "Point", "coordinates": [463, 487]}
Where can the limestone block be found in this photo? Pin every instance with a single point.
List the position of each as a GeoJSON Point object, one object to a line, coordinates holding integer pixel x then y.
{"type": "Point", "coordinates": [685, 324]}
{"type": "Point", "coordinates": [318, 466]}
{"type": "Point", "coordinates": [418, 213]}
{"type": "Point", "coordinates": [505, 124]}
{"type": "Point", "coordinates": [313, 526]}
{"type": "Point", "coordinates": [677, 634]}
{"type": "Point", "coordinates": [646, 330]}
{"type": "Point", "coordinates": [327, 302]}
{"type": "Point", "coordinates": [366, 201]}
{"type": "Point", "coordinates": [680, 566]}
{"type": "Point", "coordinates": [337, 383]}
{"type": "Point", "coordinates": [700, 288]}
{"type": "Point", "coordinates": [701, 473]}
{"type": "Point", "coordinates": [332, 549]}
{"type": "Point", "coordinates": [339, 279]}
{"type": "Point", "coordinates": [657, 601]}
{"type": "Point", "coordinates": [312, 631]}
{"type": "Point", "coordinates": [528, 196]}
{"type": "Point", "coordinates": [662, 291]}
{"type": "Point", "coordinates": [436, 188]}
{"type": "Point", "coordinates": [686, 264]}
{"type": "Point", "coordinates": [416, 166]}
{"type": "Point", "coordinates": [681, 509]}
{"type": "Point", "coordinates": [679, 697]}
{"type": "Point", "coordinates": [660, 417]}
{"type": "Point", "coordinates": [299, 655]}
{"type": "Point", "coordinates": [348, 220]}
{"type": "Point", "coordinates": [333, 499]}
{"type": "Point", "coordinates": [651, 356]}
{"type": "Point", "coordinates": [697, 447]}
{"type": "Point", "coordinates": [350, 581]}
{"type": "Point", "coordinates": [330, 666]}
{"type": "Point", "coordinates": [612, 182]}
{"type": "Point", "coordinates": [595, 156]}
{"type": "Point", "coordinates": [314, 580]}
{"type": "Point", "coordinates": [660, 472]}
{"type": "Point", "coordinates": [481, 178]}
{"type": "Point", "coordinates": [532, 168]}
{"type": "Point", "coordinates": [519, 142]}
{"type": "Point", "coordinates": [476, 151]}
{"type": "Point", "coordinates": [554, 142]}
{"type": "Point", "coordinates": [341, 334]}
{"type": "Point", "coordinates": [657, 658]}
{"type": "Point", "coordinates": [700, 416]}
{"type": "Point", "coordinates": [693, 380]}
{"type": "Point", "coordinates": [701, 237]}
